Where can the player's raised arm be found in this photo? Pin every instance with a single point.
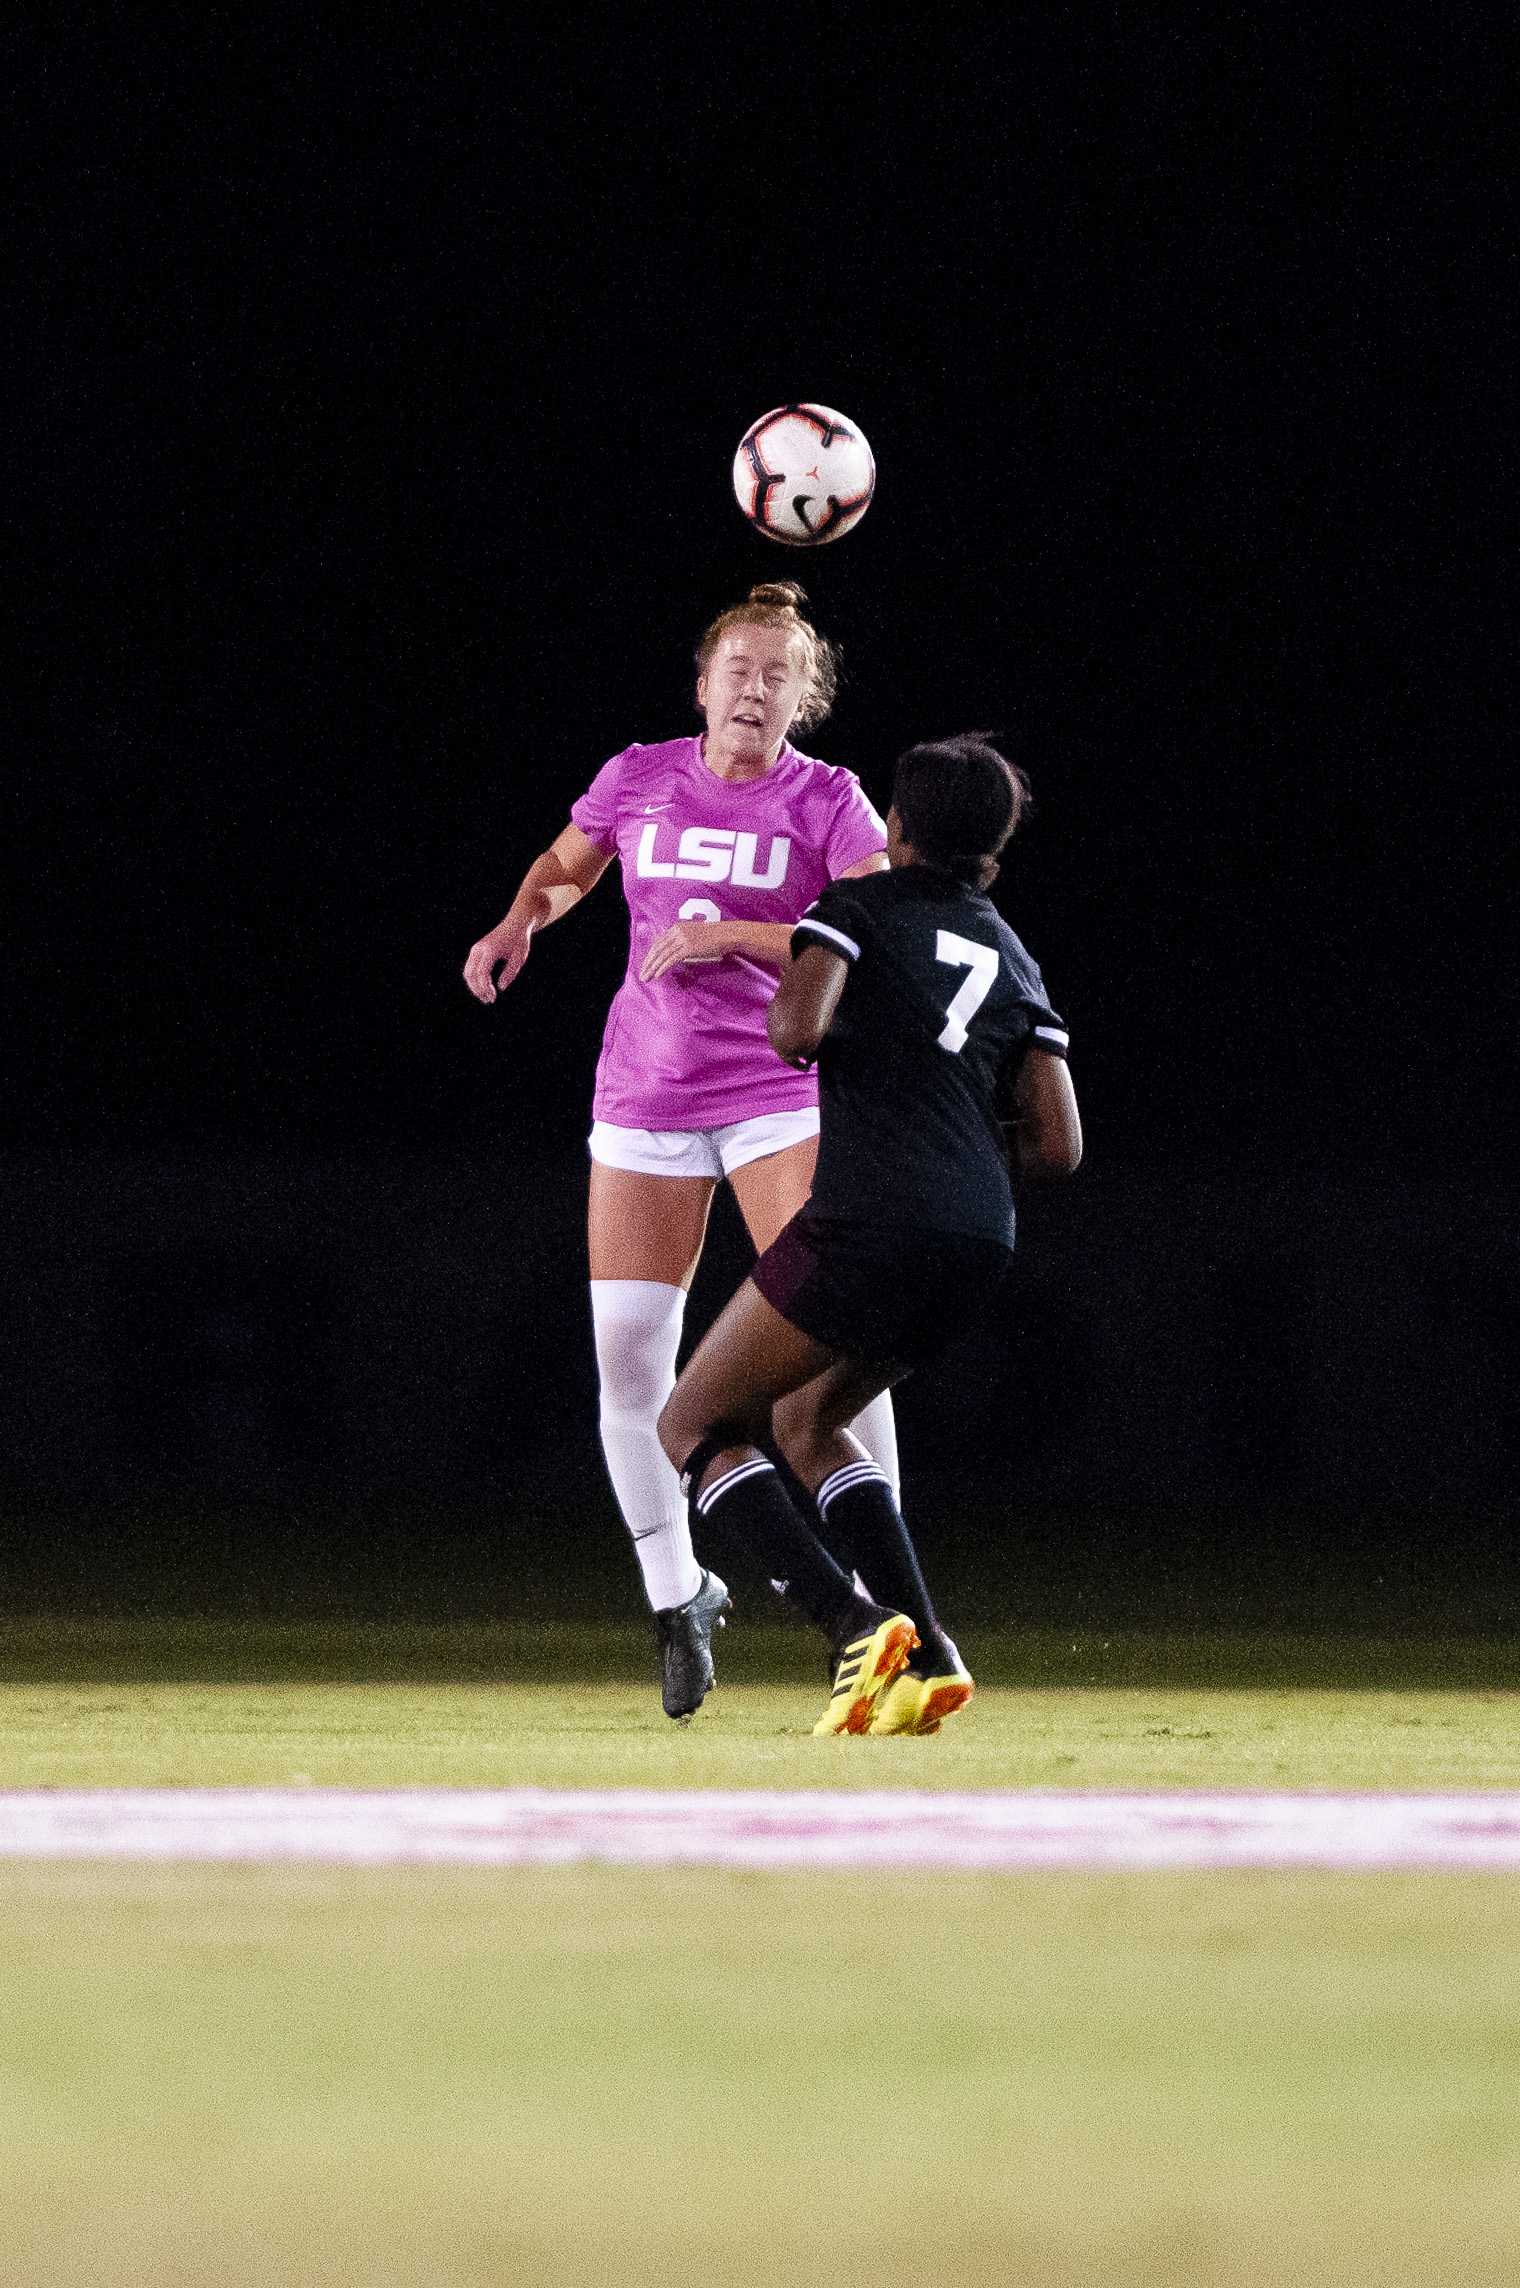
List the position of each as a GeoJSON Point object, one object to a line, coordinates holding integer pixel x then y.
{"type": "Point", "coordinates": [556, 881]}
{"type": "Point", "coordinates": [1046, 1134]}
{"type": "Point", "coordinates": [803, 1006]}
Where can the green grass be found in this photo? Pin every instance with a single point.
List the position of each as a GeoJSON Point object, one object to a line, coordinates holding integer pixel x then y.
{"type": "Point", "coordinates": [255, 2078]}
{"type": "Point", "coordinates": [216, 1704]}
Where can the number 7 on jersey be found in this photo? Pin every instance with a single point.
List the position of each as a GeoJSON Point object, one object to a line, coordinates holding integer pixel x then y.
{"type": "Point", "coordinates": [982, 962]}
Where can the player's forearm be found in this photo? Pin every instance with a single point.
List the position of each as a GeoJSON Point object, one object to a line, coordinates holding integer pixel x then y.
{"type": "Point", "coordinates": [547, 893]}
{"type": "Point", "coordinates": [769, 942]}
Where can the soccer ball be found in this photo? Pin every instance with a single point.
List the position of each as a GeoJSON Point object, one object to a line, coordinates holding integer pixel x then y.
{"type": "Point", "coordinates": [803, 475]}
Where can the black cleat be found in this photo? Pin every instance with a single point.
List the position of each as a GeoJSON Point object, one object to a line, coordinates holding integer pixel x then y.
{"type": "Point", "coordinates": [685, 1633]}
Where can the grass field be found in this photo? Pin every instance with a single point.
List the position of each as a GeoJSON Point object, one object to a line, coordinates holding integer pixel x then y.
{"type": "Point", "coordinates": [281, 2075]}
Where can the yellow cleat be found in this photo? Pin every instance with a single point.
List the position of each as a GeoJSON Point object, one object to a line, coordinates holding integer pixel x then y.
{"type": "Point", "coordinates": [920, 1704]}
{"type": "Point", "coordinates": [866, 1667]}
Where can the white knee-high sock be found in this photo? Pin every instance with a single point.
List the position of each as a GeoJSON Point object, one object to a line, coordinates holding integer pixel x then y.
{"type": "Point", "coordinates": [876, 1428]}
{"type": "Point", "coordinates": [638, 1332]}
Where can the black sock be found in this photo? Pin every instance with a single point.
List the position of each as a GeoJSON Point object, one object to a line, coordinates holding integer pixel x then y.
{"type": "Point", "coordinates": [861, 1517]}
{"type": "Point", "coordinates": [748, 1501]}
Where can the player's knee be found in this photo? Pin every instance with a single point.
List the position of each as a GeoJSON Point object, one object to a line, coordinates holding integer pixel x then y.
{"type": "Point", "coordinates": [632, 1398]}
{"type": "Point", "coordinates": [638, 1329]}
{"type": "Point", "coordinates": [634, 1379]}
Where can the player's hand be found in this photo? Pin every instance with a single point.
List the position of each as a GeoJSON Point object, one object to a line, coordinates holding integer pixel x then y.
{"type": "Point", "coordinates": [685, 941]}
{"type": "Point", "coordinates": [494, 961]}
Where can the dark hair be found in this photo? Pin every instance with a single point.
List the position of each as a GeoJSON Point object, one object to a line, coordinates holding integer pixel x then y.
{"type": "Point", "coordinates": [778, 604]}
{"type": "Point", "coordinates": [959, 800]}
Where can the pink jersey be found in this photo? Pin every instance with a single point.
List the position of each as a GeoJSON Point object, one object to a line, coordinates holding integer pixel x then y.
{"type": "Point", "coordinates": [690, 1049]}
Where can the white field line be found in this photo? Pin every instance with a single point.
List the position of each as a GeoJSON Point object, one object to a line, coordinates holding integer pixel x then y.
{"type": "Point", "coordinates": [537, 1827]}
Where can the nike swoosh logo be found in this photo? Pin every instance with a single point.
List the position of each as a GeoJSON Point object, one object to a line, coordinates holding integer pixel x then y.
{"type": "Point", "coordinates": [649, 806]}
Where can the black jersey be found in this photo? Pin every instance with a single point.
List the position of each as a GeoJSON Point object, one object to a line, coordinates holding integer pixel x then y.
{"type": "Point", "coordinates": [940, 1004]}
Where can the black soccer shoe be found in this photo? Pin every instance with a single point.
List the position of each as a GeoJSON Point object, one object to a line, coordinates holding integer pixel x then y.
{"type": "Point", "coordinates": [685, 1633]}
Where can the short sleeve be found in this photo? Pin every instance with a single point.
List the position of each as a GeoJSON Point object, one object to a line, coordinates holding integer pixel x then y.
{"type": "Point", "coordinates": [836, 920]}
{"type": "Point", "coordinates": [1044, 1029]}
{"type": "Point", "coordinates": [857, 829]}
{"type": "Point", "coordinates": [596, 811]}
{"type": "Point", "coordinates": [1048, 1033]}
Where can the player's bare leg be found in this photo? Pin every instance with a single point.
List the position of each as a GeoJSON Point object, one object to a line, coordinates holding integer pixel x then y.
{"type": "Point", "coordinates": [749, 1358]}
{"type": "Point", "coordinates": [771, 1189]}
{"type": "Point", "coordinates": [811, 1423]}
{"type": "Point", "coordinates": [646, 1227]}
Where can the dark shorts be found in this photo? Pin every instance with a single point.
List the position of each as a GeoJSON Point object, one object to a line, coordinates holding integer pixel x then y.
{"type": "Point", "coordinates": [886, 1293]}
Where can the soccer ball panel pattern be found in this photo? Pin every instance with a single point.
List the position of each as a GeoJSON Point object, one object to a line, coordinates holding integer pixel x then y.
{"type": "Point", "coordinates": [803, 475]}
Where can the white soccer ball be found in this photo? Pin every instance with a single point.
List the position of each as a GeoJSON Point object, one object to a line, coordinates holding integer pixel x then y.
{"type": "Point", "coordinates": [803, 475]}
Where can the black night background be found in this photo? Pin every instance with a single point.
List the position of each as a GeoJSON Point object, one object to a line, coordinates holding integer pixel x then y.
{"type": "Point", "coordinates": [374, 397]}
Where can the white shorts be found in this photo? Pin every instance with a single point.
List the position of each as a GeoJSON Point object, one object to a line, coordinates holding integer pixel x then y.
{"type": "Point", "coordinates": [714, 1152]}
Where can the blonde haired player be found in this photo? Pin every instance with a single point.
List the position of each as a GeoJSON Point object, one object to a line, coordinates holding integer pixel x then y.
{"type": "Point", "coordinates": [724, 839]}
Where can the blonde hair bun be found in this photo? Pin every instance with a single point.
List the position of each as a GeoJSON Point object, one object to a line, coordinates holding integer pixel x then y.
{"type": "Point", "coordinates": [780, 595]}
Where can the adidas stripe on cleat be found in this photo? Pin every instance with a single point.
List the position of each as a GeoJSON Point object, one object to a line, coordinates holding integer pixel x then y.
{"type": "Point", "coordinates": [865, 1668]}
{"type": "Point", "coordinates": [920, 1704]}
